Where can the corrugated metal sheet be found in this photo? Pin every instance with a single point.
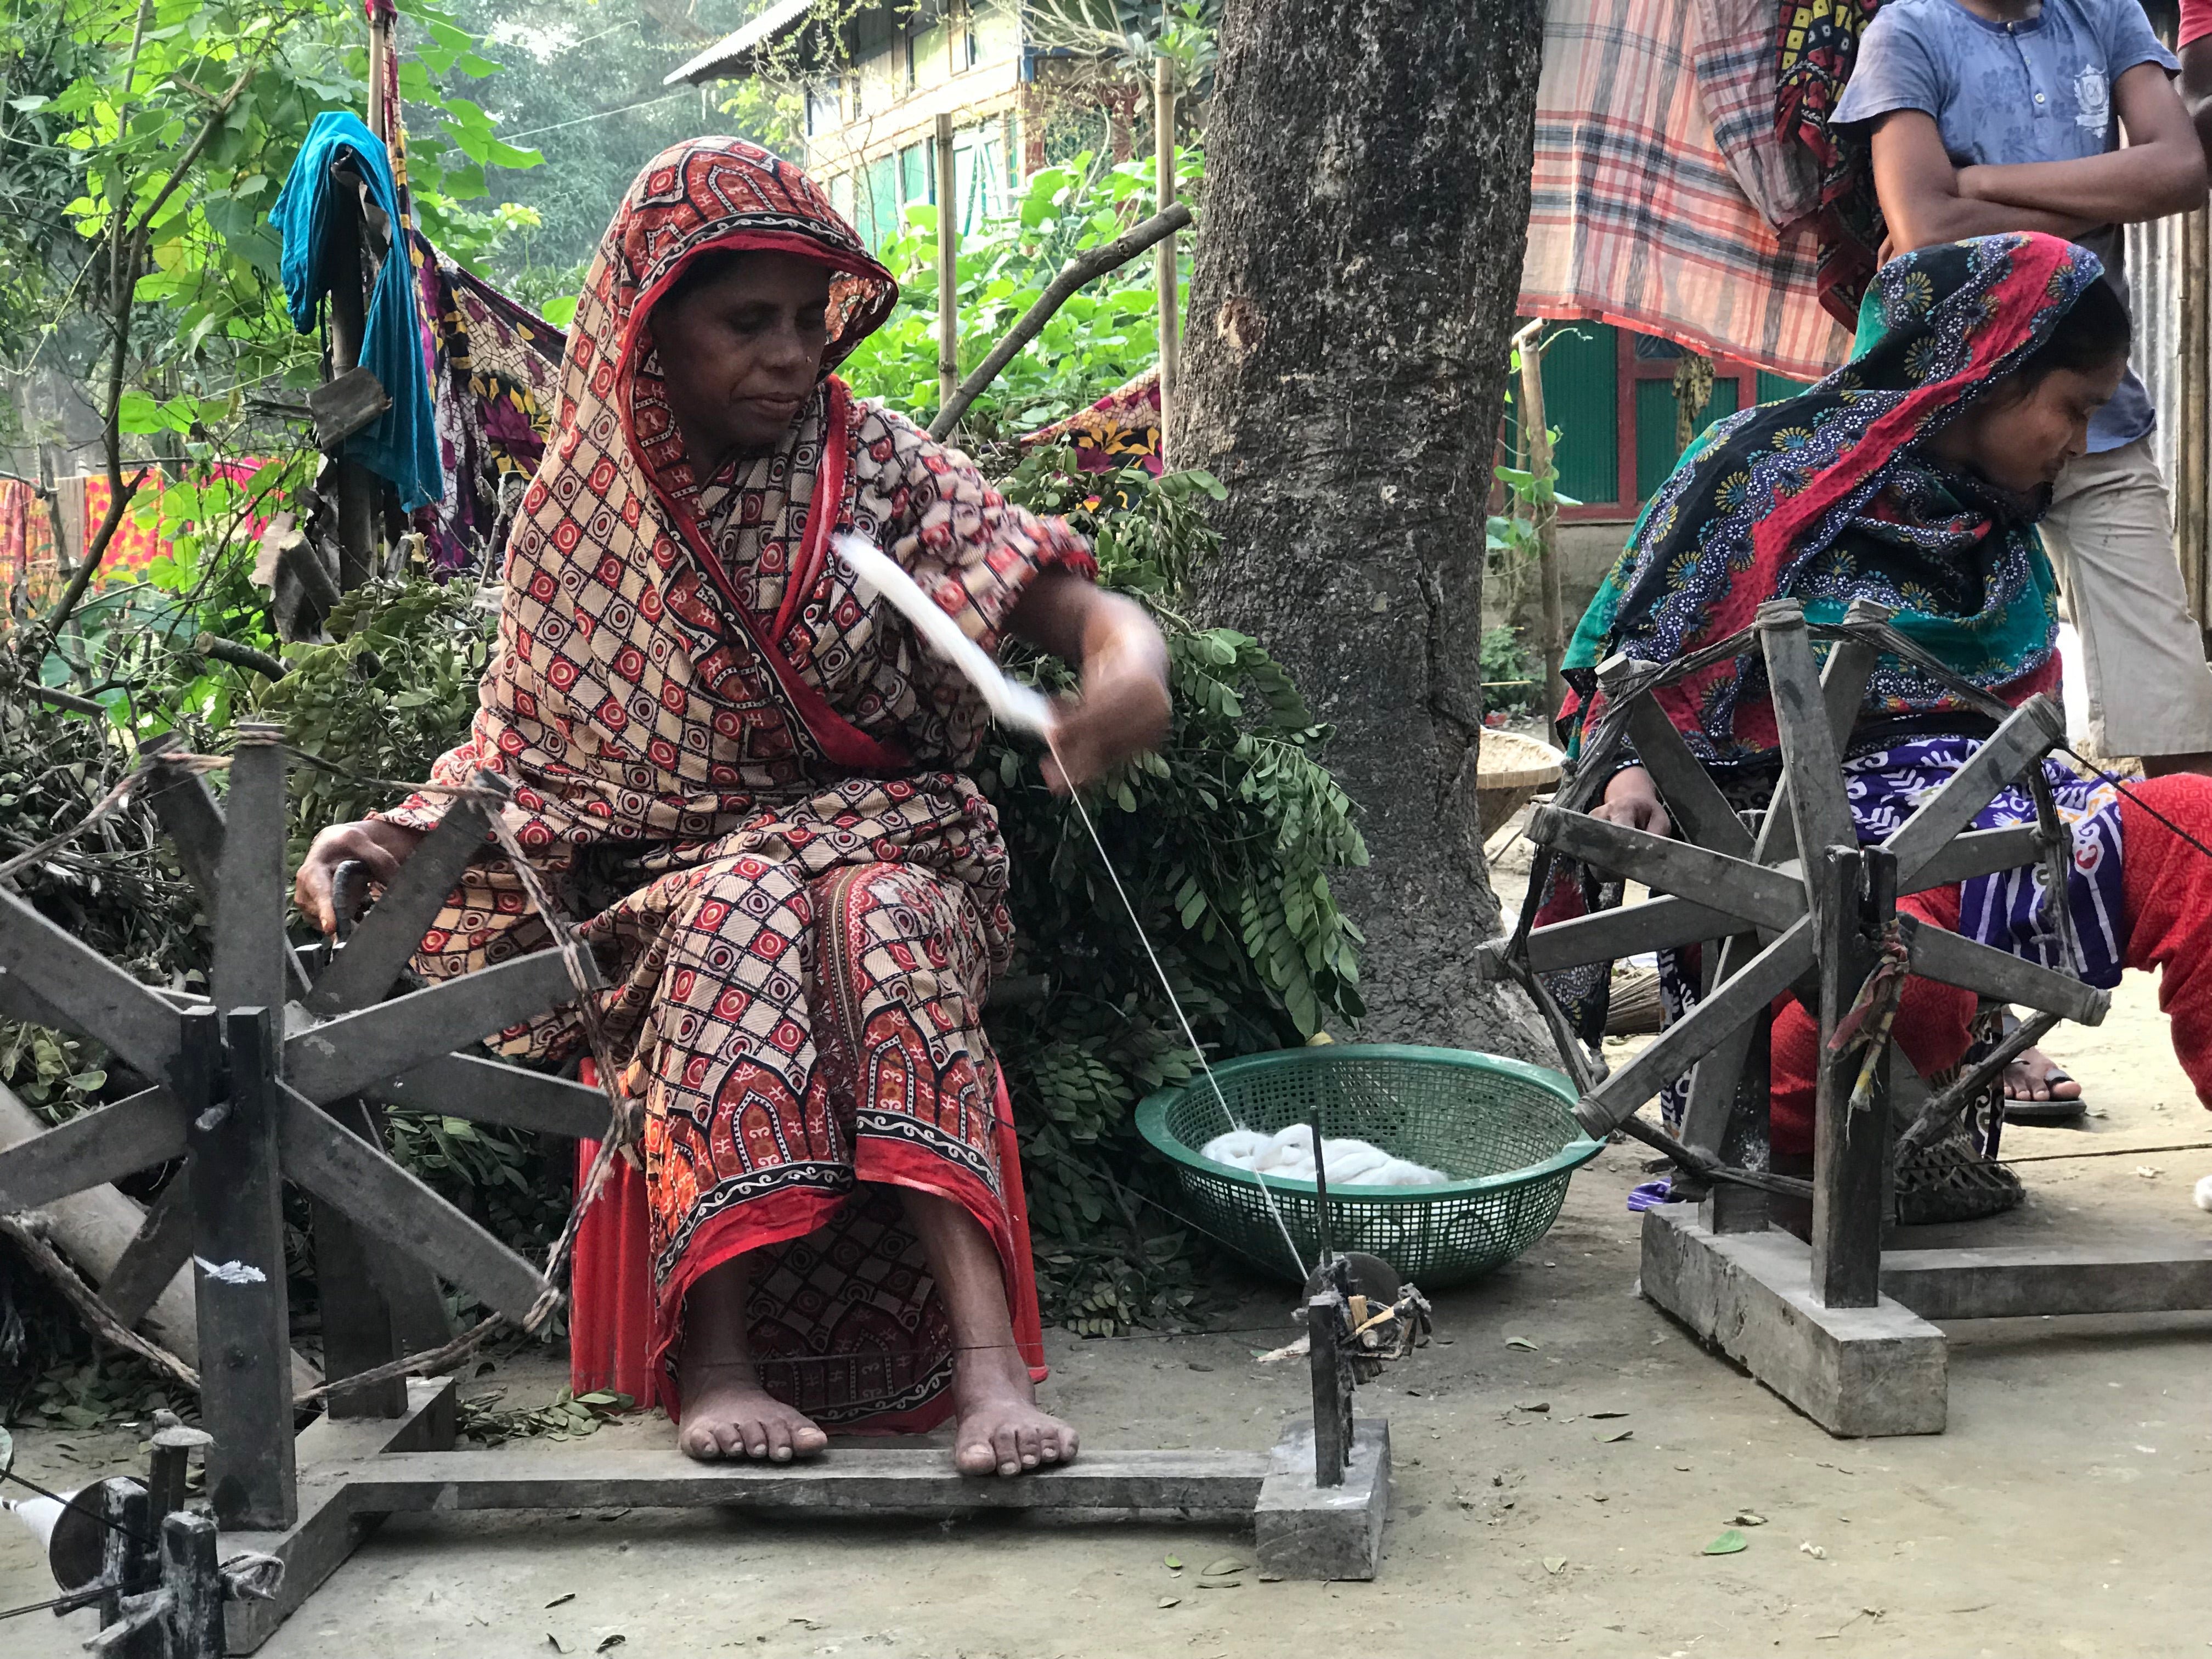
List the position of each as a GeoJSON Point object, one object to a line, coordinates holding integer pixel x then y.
{"type": "Point", "coordinates": [1655, 449]}
{"type": "Point", "coordinates": [2153, 256]}
{"type": "Point", "coordinates": [1582, 402]}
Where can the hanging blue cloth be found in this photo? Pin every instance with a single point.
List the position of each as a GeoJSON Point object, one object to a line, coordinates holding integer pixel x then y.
{"type": "Point", "coordinates": [401, 444]}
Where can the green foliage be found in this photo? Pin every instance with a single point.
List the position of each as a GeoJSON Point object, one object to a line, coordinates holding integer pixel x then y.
{"type": "Point", "coordinates": [1512, 675]}
{"type": "Point", "coordinates": [394, 689]}
{"type": "Point", "coordinates": [1105, 334]}
{"type": "Point", "coordinates": [1224, 841]}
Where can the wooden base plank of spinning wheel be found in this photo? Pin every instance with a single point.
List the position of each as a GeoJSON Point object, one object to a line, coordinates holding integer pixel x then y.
{"type": "Point", "coordinates": [1878, 1371]}
{"type": "Point", "coordinates": [330, 1527]}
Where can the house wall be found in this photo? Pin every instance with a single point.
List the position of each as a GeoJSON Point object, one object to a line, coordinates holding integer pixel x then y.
{"type": "Point", "coordinates": [870, 139]}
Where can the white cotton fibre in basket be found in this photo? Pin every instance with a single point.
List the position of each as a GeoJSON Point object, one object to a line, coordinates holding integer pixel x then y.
{"type": "Point", "coordinates": [1347, 1162]}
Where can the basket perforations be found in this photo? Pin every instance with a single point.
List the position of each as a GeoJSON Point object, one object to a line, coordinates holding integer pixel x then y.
{"type": "Point", "coordinates": [1504, 1131]}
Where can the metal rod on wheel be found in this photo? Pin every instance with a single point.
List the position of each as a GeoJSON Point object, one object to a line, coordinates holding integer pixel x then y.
{"type": "Point", "coordinates": [1321, 1196]}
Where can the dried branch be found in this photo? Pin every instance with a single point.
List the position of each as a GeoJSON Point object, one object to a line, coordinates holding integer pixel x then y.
{"type": "Point", "coordinates": [1072, 276]}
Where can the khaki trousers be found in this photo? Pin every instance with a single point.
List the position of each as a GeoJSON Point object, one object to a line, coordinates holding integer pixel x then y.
{"type": "Point", "coordinates": [2110, 534]}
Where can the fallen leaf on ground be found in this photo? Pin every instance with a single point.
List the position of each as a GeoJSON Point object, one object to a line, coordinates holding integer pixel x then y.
{"type": "Point", "coordinates": [1170, 1600]}
{"type": "Point", "coordinates": [1175, 1563]}
{"type": "Point", "coordinates": [1599, 1417]}
{"type": "Point", "coordinates": [1555, 1565]}
{"type": "Point", "coordinates": [1220, 1583]}
{"type": "Point", "coordinates": [556, 1643]}
{"type": "Point", "coordinates": [1519, 1342]}
{"type": "Point", "coordinates": [1612, 1439]}
{"type": "Point", "coordinates": [1730, 1543]}
{"type": "Point", "coordinates": [558, 1600]}
{"type": "Point", "coordinates": [1746, 1518]}
{"type": "Point", "coordinates": [614, 1641]}
{"type": "Point", "coordinates": [1224, 1566]}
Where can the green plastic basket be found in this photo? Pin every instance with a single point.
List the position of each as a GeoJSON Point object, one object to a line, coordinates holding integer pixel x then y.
{"type": "Point", "coordinates": [1505, 1131]}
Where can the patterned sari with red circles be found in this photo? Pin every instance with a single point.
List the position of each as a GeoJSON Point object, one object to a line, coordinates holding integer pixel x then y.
{"type": "Point", "coordinates": [748, 777]}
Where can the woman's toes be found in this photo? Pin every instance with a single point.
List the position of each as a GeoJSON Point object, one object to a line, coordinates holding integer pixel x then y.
{"type": "Point", "coordinates": [975, 1457]}
{"type": "Point", "coordinates": [1031, 1447]}
{"type": "Point", "coordinates": [1006, 1444]}
{"type": "Point", "coordinates": [779, 1440]}
{"type": "Point", "coordinates": [807, 1439]}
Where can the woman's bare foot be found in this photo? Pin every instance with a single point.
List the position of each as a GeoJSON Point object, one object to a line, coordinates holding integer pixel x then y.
{"type": "Point", "coordinates": [727, 1413]}
{"type": "Point", "coordinates": [1001, 1431]}
{"type": "Point", "coordinates": [2028, 1077]}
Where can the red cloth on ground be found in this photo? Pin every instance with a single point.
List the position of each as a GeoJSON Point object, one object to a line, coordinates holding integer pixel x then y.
{"type": "Point", "coordinates": [610, 1280]}
{"type": "Point", "coordinates": [2168, 886]}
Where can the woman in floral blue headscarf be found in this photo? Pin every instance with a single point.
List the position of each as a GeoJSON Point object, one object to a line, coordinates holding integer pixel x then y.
{"type": "Point", "coordinates": [1914, 476]}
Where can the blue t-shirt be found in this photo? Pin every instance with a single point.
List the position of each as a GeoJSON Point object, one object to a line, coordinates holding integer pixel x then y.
{"type": "Point", "coordinates": [2036, 90]}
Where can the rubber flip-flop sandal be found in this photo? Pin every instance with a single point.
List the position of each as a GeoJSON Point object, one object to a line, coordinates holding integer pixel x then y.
{"type": "Point", "coordinates": [2047, 1111]}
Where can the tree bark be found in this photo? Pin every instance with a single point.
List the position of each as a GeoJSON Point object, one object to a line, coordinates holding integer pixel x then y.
{"type": "Point", "coordinates": [1366, 203]}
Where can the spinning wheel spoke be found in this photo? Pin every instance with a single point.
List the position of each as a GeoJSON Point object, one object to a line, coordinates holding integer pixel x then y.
{"type": "Point", "coordinates": [193, 819]}
{"type": "Point", "coordinates": [1941, 955]}
{"type": "Point", "coordinates": [344, 1055]}
{"type": "Point", "coordinates": [392, 931]}
{"type": "Point", "coordinates": [1734, 887]}
{"type": "Point", "coordinates": [1659, 924]}
{"type": "Point", "coordinates": [97, 998]}
{"type": "Point", "coordinates": [1817, 807]}
{"type": "Point", "coordinates": [1694, 799]}
{"type": "Point", "coordinates": [385, 1201]}
{"type": "Point", "coordinates": [100, 1147]}
{"type": "Point", "coordinates": [1733, 1002]}
{"type": "Point", "coordinates": [489, 1091]}
{"type": "Point", "coordinates": [150, 1260]}
{"type": "Point", "coordinates": [2020, 743]}
{"type": "Point", "coordinates": [1977, 853]}
{"type": "Point", "coordinates": [249, 970]}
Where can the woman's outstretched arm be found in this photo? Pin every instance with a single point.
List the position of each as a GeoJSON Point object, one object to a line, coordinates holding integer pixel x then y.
{"type": "Point", "coordinates": [1123, 707]}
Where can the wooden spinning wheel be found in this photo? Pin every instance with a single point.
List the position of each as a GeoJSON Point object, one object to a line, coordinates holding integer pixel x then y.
{"type": "Point", "coordinates": [1799, 905]}
{"type": "Point", "coordinates": [278, 1077]}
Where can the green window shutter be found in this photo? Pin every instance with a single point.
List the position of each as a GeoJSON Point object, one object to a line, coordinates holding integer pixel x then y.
{"type": "Point", "coordinates": [1655, 453]}
{"type": "Point", "coordinates": [913, 175]}
{"type": "Point", "coordinates": [882, 201]}
{"type": "Point", "coordinates": [1581, 404]}
{"type": "Point", "coordinates": [1773, 388]}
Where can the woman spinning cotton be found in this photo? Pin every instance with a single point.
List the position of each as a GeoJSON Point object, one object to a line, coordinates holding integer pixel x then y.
{"type": "Point", "coordinates": [738, 762]}
{"type": "Point", "coordinates": [1914, 476]}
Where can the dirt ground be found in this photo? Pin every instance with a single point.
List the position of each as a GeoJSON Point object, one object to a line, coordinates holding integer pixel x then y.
{"type": "Point", "coordinates": [2062, 1513]}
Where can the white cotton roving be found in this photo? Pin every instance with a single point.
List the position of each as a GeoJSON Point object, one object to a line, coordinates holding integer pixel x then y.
{"type": "Point", "coordinates": [1289, 1155]}
{"type": "Point", "coordinates": [1241, 1147]}
{"type": "Point", "coordinates": [2204, 1194]}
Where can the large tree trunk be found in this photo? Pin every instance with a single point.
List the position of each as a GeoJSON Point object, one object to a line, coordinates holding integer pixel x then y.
{"type": "Point", "coordinates": [1366, 201]}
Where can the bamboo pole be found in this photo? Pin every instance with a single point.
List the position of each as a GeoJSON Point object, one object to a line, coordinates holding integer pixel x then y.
{"type": "Point", "coordinates": [1163, 149]}
{"type": "Point", "coordinates": [2192, 438]}
{"type": "Point", "coordinates": [948, 268]}
{"type": "Point", "coordinates": [1536, 433]}
{"type": "Point", "coordinates": [379, 55]}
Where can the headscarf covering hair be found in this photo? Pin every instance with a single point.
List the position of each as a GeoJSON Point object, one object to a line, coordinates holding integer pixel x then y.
{"type": "Point", "coordinates": [1830, 495]}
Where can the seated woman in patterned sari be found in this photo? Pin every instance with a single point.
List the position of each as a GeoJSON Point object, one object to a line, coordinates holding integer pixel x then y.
{"type": "Point", "coordinates": [1913, 475]}
{"type": "Point", "coordinates": [740, 766]}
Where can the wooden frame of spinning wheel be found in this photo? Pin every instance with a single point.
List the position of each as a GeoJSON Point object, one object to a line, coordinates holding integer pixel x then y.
{"type": "Point", "coordinates": [283, 1074]}
{"type": "Point", "coordinates": [1835, 1324]}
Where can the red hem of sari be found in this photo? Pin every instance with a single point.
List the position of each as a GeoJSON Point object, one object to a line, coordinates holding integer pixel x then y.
{"type": "Point", "coordinates": [711, 1246]}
